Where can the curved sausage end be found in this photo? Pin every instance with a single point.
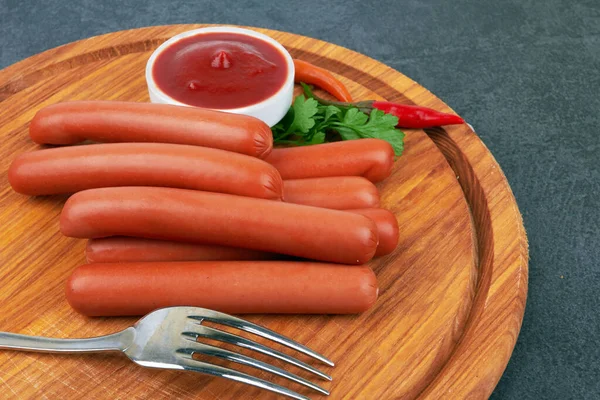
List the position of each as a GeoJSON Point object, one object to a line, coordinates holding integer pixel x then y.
{"type": "Point", "coordinates": [89, 252]}
{"type": "Point", "coordinates": [383, 167]}
{"type": "Point", "coordinates": [263, 141]}
{"type": "Point", "coordinates": [273, 184]}
{"type": "Point", "coordinates": [15, 173]}
{"type": "Point", "coordinates": [372, 199]}
{"type": "Point", "coordinates": [36, 127]}
{"type": "Point", "coordinates": [369, 289]}
{"type": "Point", "coordinates": [46, 126]}
{"type": "Point", "coordinates": [371, 241]}
{"type": "Point", "coordinates": [392, 235]}
{"type": "Point", "coordinates": [71, 292]}
{"type": "Point", "coordinates": [67, 226]}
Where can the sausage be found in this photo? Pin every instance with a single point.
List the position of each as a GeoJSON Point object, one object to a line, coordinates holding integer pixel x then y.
{"type": "Point", "coordinates": [71, 169]}
{"type": "Point", "coordinates": [127, 249]}
{"type": "Point", "coordinates": [235, 287]}
{"type": "Point", "coordinates": [370, 158]}
{"type": "Point", "coordinates": [387, 227]}
{"type": "Point", "coordinates": [222, 219]}
{"type": "Point", "coordinates": [124, 249]}
{"type": "Point", "coordinates": [341, 193]}
{"type": "Point", "coordinates": [117, 121]}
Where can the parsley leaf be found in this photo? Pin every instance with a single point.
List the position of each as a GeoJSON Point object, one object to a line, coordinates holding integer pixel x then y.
{"type": "Point", "coordinates": [298, 120]}
{"type": "Point", "coordinates": [318, 138]}
{"type": "Point", "coordinates": [394, 137]}
{"type": "Point", "coordinates": [310, 119]}
{"type": "Point", "coordinates": [304, 111]}
{"type": "Point", "coordinates": [379, 120]}
{"type": "Point", "coordinates": [347, 133]}
{"type": "Point", "coordinates": [379, 125]}
{"type": "Point", "coordinates": [330, 111]}
{"type": "Point", "coordinates": [383, 126]}
{"type": "Point", "coordinates": [354, 118]}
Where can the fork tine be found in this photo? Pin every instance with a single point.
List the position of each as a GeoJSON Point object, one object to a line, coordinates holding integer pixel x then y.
{"type": "Point", "coordinates": [225, 319]}
{"type": "Point", "coordinates": [214, 351]}
{"type": "Point", "coordinates": [217, 334]}
{"type": "Point", "coordinates": [189, 364]}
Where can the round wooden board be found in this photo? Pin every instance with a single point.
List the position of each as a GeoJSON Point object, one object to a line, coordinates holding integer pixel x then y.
{"type": "Point", "coordinates": [452, 295]}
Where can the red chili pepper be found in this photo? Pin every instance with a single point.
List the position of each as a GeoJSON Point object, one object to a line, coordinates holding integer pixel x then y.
{"type": "Point", "coordinates": [408, 116]}
{"type": "Point", "coordinates": [416, 116]}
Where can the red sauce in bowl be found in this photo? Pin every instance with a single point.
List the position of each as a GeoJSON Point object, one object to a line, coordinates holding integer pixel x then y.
{"type": "Point", "coordinates": [220, 70]}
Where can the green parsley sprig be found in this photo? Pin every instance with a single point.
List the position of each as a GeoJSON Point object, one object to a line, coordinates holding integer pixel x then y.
{"type": "Point", "coordinates": [309, 121]}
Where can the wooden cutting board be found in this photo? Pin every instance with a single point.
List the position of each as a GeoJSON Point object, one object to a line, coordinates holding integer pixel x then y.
{"type": "Point", "coordinates": [452, 295]}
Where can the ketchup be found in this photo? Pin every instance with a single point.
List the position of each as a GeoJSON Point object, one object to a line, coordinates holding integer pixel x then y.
{"type": "Point", "coordinates": [220, 70]}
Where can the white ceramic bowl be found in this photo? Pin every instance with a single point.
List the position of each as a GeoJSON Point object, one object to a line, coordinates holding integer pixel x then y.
{"type": "Point", "coordinates": [270, 110]}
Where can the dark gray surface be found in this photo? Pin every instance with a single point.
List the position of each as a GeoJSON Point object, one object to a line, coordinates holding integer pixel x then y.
{"type": "Point", "coordinates": [525, 73]}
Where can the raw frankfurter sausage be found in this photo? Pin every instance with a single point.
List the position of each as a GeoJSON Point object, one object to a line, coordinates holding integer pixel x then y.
{"type": "Point", "coordinates": [128, 249]}
{"type": "Point", "coordinates": [215, 218]}
{"type": "Point", "coordinates": [371, 158]}
{"type": "Point", "coordinates": [235, 287]}
{"type": "Point", "coordinates": [71, 169]}
{"type": "Point", "coordinates": [124, 249]}
{"type": "Point", "coordinates": [118, 121]}
{"type": "Point", "coordinates": [387, 227]}
{"type": "Point", "coordinates": [340, 193]}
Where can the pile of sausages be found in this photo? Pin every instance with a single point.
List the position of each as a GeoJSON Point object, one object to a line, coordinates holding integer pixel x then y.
{"type": "Point", "coordinates": [186, 206]}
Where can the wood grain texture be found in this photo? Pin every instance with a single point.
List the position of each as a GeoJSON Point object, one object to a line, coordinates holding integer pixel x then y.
{"type": "Point", "coordinates": [452, 294]}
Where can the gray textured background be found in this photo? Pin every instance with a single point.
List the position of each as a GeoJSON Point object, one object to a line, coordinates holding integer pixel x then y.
{"type": "Point", "coordinates": [525, 73]}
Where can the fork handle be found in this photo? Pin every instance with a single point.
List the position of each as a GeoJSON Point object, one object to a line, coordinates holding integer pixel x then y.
{"type": "Point", "coordinates": [115, 342]}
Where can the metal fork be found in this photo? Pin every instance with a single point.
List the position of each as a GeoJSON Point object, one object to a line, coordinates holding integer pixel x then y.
{"type": "Point", "coordinates": [167, 338]}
